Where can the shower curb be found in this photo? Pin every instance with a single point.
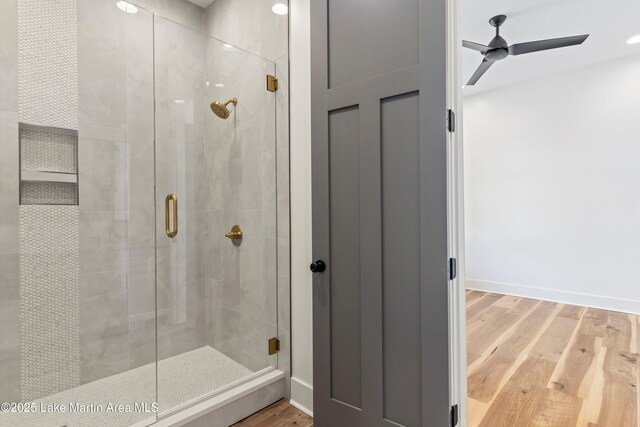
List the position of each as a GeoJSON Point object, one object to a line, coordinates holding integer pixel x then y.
{"type": "Point", "coordinates": [231, 406]}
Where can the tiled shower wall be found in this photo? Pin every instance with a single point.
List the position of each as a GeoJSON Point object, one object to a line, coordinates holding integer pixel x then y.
{"type": "Point", "coordinates": [48, 63]}
{"type": "Point", "coordinates": [252, 26]}
{"type": "Point", "coordinates": [49, 315]}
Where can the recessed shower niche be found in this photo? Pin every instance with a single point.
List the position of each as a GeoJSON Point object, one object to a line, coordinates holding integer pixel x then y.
{"type": "Point", "coordinates": [48, 165]}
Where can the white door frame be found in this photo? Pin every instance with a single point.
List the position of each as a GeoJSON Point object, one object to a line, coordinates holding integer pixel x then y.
{"type": "Point", "coordinates": [457, 304]}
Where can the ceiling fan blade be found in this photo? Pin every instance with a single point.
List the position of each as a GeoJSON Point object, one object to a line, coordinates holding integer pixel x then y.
{"type": "Point", "coordinates": [475, 46]}
{"type": "Point", "coordinates": [479, 72]}
{"type": "Point", "coordinates": [537, 46]}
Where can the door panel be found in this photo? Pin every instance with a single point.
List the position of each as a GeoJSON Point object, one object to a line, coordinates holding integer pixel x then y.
{"type": "Point", "coordinates": [400, 137]}
{"type": "Point", "coordinates": [380, 213]}
{"type": "Point", "coordinates": [366, 44]}
{"type": "Point", "coordinates": [345, 253]}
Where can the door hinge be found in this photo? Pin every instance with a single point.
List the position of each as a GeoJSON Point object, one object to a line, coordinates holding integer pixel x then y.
{"type": "Point", "coordinates": [451, 121]}
{"type": "Point", "coordinates": [454, 415]}
{"type": "Point", "coordinates": [274, 346]}
{"type": "Point", "coordinates": [453, 268]}
{"type": "Point", "coordinates": [272, 83]}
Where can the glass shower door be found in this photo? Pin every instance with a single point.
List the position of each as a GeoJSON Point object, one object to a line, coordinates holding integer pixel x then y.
{"type": "Point", "coordinates": [216, 215]}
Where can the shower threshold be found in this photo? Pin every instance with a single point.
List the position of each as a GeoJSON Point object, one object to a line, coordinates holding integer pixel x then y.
{"type": "Point", "coordinates": [188, 384]}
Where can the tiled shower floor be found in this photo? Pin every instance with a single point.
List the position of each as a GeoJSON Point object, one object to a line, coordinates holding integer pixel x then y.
{"type": "Point", "coordinates": [181, 379]}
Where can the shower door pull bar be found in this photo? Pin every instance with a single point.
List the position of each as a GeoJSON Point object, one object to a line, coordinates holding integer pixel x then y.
{"type": "Point", "coordinates": [171, 215]}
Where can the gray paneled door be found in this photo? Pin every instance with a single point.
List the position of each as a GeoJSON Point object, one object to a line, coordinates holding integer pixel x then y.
{"type": "Point", "coordinates": [381, 348]}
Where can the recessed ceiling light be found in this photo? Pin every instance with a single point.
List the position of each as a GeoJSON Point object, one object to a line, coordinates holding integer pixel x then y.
{"type": "Point", "coordinates": [280, 9]}
{"type": "Point", "coordinates": [127, 7]}
{"type": "Point", "coordinates": [633, 40]}
{"type": "Point", "coordinates": [179, 101]}
{"type": "Point", "coordinates": [219, 85]}
{"type": "Point", "coordinates": [227, 46]}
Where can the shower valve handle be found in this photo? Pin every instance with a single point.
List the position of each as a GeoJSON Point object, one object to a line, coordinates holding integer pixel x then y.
{"type": "Point", "coordinates": [235, 233]}
{"type": "Point", "coordinates": [318, 266]}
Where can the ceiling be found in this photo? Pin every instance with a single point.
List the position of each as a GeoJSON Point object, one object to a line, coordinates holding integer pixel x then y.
{"type": "Point", "coordinates": [202, 3]}
{"type": "Point", "coordinates": [527, 20]}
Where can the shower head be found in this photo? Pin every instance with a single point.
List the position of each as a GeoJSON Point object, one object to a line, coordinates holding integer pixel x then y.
{"type": "Point", "coordinates": [221, 110]}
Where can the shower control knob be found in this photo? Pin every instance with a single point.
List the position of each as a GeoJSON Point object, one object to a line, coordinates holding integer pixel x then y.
{"type": "Point", "coordinates": [318, 266]}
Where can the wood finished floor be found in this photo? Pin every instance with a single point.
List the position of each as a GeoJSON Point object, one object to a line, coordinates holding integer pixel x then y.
{"type": "Point", "coordinates": [280, 414]}
{"type": "Point", "coordinates": [538, 363]}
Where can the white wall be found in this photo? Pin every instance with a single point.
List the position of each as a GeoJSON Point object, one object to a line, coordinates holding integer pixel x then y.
{"type": "Point", "coordinates": [552, 187]}
{"type": "Point", "coordinates": [301, 281]}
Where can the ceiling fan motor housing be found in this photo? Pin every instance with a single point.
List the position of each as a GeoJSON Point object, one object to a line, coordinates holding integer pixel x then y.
{"type": "Point", "coordinates": [497, 54]}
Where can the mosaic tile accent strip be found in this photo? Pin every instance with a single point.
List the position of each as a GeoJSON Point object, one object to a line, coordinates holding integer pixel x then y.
{"type": "Point", "coordinates": [48, 150]}
{"type": "Point", "coordinates": [49, 242]}
{"type": "Point", "coordinates": [48, 63]}
{"type": "Point", "coordinates": [48, 193]}
{"type": "Point", "coordinates": [49, 300]}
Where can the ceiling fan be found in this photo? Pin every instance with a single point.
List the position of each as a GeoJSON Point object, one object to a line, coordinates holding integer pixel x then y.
{"type": "Point", "coordinates": [498, 48]}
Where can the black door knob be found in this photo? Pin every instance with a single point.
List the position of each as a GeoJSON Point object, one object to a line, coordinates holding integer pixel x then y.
{"type": "Point", "coordinates": [318, 266]}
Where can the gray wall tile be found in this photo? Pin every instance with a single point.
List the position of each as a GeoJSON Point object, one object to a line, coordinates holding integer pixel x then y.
{"type": "Point", "coordinates": [8, 55]}
{"type": "Point", "coordinates": [250, 25]}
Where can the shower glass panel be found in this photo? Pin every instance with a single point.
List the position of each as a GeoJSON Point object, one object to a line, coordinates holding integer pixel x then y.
{"type": "Point", "coordinates": [216, 294]}
{"type": "Point", "coordinates": [77, 237]}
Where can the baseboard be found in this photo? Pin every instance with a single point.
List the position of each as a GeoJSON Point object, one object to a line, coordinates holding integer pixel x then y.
{"type": "Point", "coordinates": [574, 298]}
{"type": "Point", "coordinates": [302, 396]}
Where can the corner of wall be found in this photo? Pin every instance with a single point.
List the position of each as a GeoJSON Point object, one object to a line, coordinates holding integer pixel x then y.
{"type": "Point", "coordinates": [301, 251]}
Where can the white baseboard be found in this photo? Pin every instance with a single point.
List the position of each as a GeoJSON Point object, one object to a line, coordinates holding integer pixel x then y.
{"type": "Point", "coordinates": [302, 396]}
{"type": "Point", "coordinates": [574, 298]}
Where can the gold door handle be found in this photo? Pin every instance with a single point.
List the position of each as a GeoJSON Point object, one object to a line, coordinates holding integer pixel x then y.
{"type": "Point", "coordinates": [171, 215]}
{"type": "Point", "coordinates": [235, 234]}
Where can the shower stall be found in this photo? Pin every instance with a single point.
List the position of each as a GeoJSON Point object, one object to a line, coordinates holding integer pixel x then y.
{"type": "Point", "coordinates": [143, 218]}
